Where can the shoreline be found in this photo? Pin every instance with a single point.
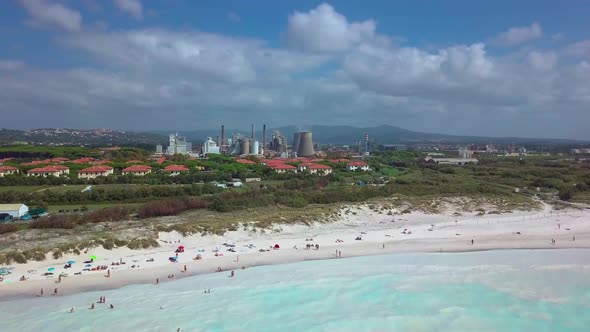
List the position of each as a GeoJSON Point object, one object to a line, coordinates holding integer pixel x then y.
{"type": "Point", "coordinates": [416, 232]}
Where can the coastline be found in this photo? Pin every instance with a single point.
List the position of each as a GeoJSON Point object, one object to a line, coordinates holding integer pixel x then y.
{"type": "Point", "coordinates": [519, 230]}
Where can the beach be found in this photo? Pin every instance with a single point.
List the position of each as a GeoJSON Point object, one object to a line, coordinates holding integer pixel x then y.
{"type": "Point", "coordinates": [359, 231]}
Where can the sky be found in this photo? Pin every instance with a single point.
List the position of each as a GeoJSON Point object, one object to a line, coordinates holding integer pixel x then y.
{"type": "Point", "coordinates": [493, 68]}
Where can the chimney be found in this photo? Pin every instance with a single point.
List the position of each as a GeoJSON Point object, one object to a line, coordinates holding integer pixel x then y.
{"type": "Point", "coordinates": [264, 136]}
{"type": "Point", "coordinates": [252, 131]}
{"type": "Point", "coordinates": [222, 135]}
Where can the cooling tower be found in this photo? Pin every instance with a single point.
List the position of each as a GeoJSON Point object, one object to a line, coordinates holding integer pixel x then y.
{"type": "Point", "coordinates": [305, 148]}
{"type": "Point", "coordinates": [245, 146]}
{"type": "Point", "coordinates": [296, 139]}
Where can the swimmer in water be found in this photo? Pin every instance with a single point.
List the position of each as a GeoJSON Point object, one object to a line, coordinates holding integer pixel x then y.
{"type": "Point", "coordinates": [112, 306]}
{"type": "Point", "coordinates": [72, 310]}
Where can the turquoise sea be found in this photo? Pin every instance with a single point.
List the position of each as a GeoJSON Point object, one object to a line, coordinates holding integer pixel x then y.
{"type": "Point", "coordinates": [525, 290]}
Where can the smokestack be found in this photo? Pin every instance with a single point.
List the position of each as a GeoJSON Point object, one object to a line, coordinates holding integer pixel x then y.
{"type": "Point", "coordinates": [222, 135]}
{"type": "Point", "coordinates": [264, 136]}
{"type": "Point", "coordinates": [252, 131]}
{"type": "Point", "coordinates": [305, 144]}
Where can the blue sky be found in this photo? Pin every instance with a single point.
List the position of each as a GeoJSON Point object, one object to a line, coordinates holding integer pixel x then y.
{"type": "Point", "coordinates": [499, 68]}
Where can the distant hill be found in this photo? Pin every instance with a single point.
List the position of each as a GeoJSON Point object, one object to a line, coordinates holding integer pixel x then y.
{"type": "Point", "coordinates": [92, 137]}
{"type": "Point", "coordinates": [383, 134]}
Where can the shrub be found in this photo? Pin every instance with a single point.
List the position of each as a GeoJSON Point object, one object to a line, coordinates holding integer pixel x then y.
{"type": "Point", "coordinates": [16, 256]}
{"type": "Point", "coordinates": [7, 228]}
{"type": "Point", "coordinates": [170, 207]}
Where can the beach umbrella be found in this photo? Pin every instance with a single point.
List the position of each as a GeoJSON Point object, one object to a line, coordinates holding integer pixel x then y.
{"type": "Point", "coordinates": [87, 265]}
{"type": "Point", "coordinates": [180, 247]}
{"type": "Point", "coordinates": [93, 257]}
{"type": "Point", "coordinates": [71, 262]}
{"type": "Point", "coordinates": [51, 269]}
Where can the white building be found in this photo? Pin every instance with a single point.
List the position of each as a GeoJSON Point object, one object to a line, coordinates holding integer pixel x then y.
{"type": "Point", "coordinates": [210, 147]}
{"type": "Point", "coordinates": [358, 165]}
{"type": "Point", "coordinates": [15, 210]}
{"type": "Point", "coordinates": [465, 153]}
{"type": "Point", "coordinates": [7, 170]}
{"type": "Point", "coordinates": [179, 145]}
{"type": "Point", "coordinates": [49, 170]}
{"type": "Point", "coordinates": [94, 172]}
{"type": "Point", "coordinates": [138, 170]}
{"type": "Point", "coordinates": [451, 161]}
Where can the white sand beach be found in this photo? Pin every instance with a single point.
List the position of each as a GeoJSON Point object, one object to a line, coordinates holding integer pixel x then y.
{"type": "Point", "coordinates": [378, 234]}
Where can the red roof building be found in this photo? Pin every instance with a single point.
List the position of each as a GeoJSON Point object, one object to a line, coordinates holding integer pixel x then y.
{"type": "Point", "coordinates": [59, 160]}
{"type": "Point", "coordinates": [137, 170]}
{"type": "Point", "coordinates": [48, 170]}
{"type": "Point", "coordinates": [283, 168]}
{"type": "Point", "coordinates": [7, 170]}
{"type": "Point", "coordinates": [85, 160]}
{"type": "Point", "coordinates": [358, 165]}
{"type": "Point", "coordinates": [176, 169]}
{"type": "Point", "coordinates": [95, 171]}
{"type": "Point", "coordinates": [315, 168]}
{"type": "Point", "coordinates": [161, 160]}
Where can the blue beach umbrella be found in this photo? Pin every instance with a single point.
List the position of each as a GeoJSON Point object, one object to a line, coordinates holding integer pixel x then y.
{"type": "Point", "coordinates": [87, 265]}
{"type": "Point", "coordinates": [71, 262]}
{"type": "Point", "coordinates": [51, 269]}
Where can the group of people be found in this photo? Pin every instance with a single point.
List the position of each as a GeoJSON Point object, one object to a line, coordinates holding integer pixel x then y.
{"type": "Point", "coordinates": [312, 246]}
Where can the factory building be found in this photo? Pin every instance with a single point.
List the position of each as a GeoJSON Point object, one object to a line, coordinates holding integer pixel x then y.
{"type": "Point", "coordinates": [178, 145]}
{"type": "Point", "coordinates": [210, 147]}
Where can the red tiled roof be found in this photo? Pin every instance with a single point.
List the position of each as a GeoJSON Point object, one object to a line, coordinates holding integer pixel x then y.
{"type": "Point", "coordinates": [282, 166]}
{"type": "Point", "coordinates": [48, 169]}
{"type": "Point", "coordinates": [161, 160]}
{"type": "Point", "coordinates": [37, 162]}
{"type": "Point", "coordinates": [176, 168]}
{"type": "Point", "coordinates": [357, 163]}
{"type": "Point", "coordinates": [83, 160]}
{"type": "Point", "coordinates": [318, 166]}
{"type": "Point", "coordinates": [245, 161]}
{"type": "Point", "coordinates": [96, 169]}
{"type": "Point", "coordinates": [137, 168]}
{"type": "Point", "coordinates": [59, 160]}
{"type": "Point", "coordinates": [7, 168]}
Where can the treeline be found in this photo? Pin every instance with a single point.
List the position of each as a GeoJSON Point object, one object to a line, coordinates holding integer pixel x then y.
{"type": "Point", "coordinates": [69, 221]}
{"type": "Point", "coordinates": [114, 194]}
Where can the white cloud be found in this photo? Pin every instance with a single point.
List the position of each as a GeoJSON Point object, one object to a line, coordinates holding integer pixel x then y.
{"type": "Point", "coordinates": [49, 14]}
{"type": "Point", "coordinates": [233, 17]}
{"type": "Point", "coordinates": [10, 65]}
{"type": "Point", "coordinates": [192, 79]}
{"type": "Point", "coordinates": [581, 48]}
{"type": "Point", "coordinates": [518, 35]}
{"type": "Point", "coordinates": [132, 7]}
{"type": "Point", "coordinates": [324, 30]}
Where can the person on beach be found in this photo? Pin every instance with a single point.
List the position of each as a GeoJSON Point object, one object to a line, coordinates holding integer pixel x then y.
{"type": "Point", "coordinates": [574, 238]}
{"type": "Point", "coordinates": [184, 269]}
{"type": "Point", "coordinates": [55, 291]}
{"type": "Point", "coordinates": [108, 273]}
{"type": "Point", "coordinates": [219, 269]}
{"type": "Point", "coordinates": [41, 291]}
{"type": "Point", "coordinates": [91, 306]}
{"type": "Point", "coordinates": [339, 253]}
{"type": "Point", "coordinates": [232, 274]}
{"type": "Point", "coordinates": [59, 279]}
{"type": "Point", "coordinates": [111, 306]}
{"type": "Point", "coordinates": [71, 310]}
{"type": "Point", "coordinates": [157, 281]}
{"type": "Point", "coordinates": [383, 245]}
{"type": "Point", "coordinates": [471, 241]}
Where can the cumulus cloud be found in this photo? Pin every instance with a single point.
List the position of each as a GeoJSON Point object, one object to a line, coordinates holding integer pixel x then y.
{"type": "Point", "coordinates": [195, 79]}
{"type": "Point", "coordinates": [50, 14]}
{"type": "Point", "coordinates": [132, 7]}
{"type": "Point", "coordinates": [518, 35]}
{"type": "Point", "coordinates": [581, 48]}
{"type": "Point", "coordinates": [324, 30]}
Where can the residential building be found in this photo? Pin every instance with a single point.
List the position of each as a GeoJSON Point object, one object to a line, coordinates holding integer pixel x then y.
{"type": "Point", "coordinates": [14, 210]}
{"type": "Point", "coordinates": [94, 172]}
{"type": "Point", "coordinates": [49, 170]}
{"type": "Point", "coordinates": [175, 169]}
{"type": "Point", "coordinates": [315, 168]}
{"type": "Point", "coordinates": [139, 170]}
{"type": "Point", "coordinates": [7, 170]}
{"type": "Point", "coordinates": [245, 161]}
{"type": "Point", "coordinates": [283, 168]}
{"type": "Point", "coordinates": [358, 165]}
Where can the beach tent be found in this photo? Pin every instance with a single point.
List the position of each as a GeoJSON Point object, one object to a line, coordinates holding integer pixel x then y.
{"type": "Point", "coordinates": [277, 246]}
